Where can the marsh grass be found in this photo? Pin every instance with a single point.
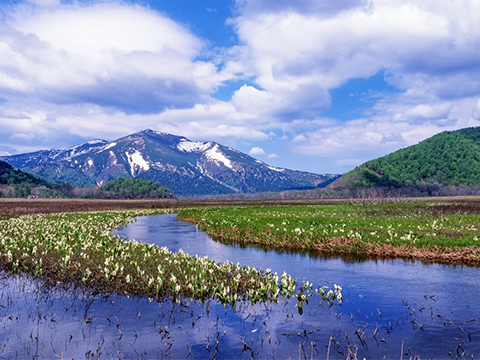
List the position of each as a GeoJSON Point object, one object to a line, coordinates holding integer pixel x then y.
{"type": "Point", "coordinates": [446, 232]}
{"type": "Point", "coordinates": [78, 249]}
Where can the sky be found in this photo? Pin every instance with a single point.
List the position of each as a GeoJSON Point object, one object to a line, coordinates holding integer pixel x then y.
{"type": "Point", "coordinates": [311, 85]}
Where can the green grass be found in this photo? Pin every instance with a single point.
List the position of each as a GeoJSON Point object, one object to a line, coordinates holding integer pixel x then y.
{"type": "Point", "coordinates": [304, 228]}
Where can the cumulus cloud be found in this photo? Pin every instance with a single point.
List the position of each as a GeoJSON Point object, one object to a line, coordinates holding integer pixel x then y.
{"type": "Point", "coordinates": [256, 151]}
{"type": "Point", "coordinates": [111, 54]}
{"type": "Point", "coordinates": [109, 68]}
{"type": "Point", "coordinates": [427, 111]}
{"type": "Point", "coordinates": [420, 45]}
{"type": "Point", "coordinates": [306, 6]}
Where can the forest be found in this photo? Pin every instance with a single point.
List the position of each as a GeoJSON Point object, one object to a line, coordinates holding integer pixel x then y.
{"type": "Point", "coordinates": [450, 158]}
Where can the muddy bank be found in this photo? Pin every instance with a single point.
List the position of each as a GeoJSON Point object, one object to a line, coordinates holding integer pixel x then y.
{"type": "Point", "coordinates": [352, 248]}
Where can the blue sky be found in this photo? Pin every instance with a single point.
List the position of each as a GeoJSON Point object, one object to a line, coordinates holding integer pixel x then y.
{"type": "Point", "coordinates": [311, 85]}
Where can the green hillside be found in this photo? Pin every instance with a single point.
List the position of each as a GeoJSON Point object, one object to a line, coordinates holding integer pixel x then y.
{"type": "Point", "coordinates": [17, 183]}
{"type": "Point", "coordinates": [133, 189]}
{"type": "Point", "coordinates": [11, 176]}
{"type": "Point", "coordinates": [451, 158]}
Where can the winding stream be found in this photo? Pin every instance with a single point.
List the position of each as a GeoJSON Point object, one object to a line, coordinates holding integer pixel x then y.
{"type": "Point", "coordinates": [391, 309]}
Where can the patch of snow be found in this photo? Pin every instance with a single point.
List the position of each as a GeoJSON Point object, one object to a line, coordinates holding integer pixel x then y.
{"type": "Point", "coordinates": [90, 162]}
{"type": "Point", "coordinates": [95, 141]}
{"type": "Point", "coordinates": [135, 161]}
{"type": "Point", "coordinates": [193, 146]}
{"type": "Point", "coordinates": [275, 168]}
{"type": "Point", "coordinates": [217, 156]}
{"type": "Point", "coordinates": [258, 161]}
{"type": "Point", "coordinates": [108, 146]}
{"type": "Point", "coordinates": [114, 158]}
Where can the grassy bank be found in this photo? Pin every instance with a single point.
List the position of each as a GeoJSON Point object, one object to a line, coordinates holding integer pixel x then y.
{"type": "Point", "coordinates": [77, 249]}
{"type": "Point", "coordinates": [441, 232]}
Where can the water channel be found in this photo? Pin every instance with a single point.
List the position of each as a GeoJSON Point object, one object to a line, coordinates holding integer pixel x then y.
{"type": "Point", "coordinates": [390, 309]}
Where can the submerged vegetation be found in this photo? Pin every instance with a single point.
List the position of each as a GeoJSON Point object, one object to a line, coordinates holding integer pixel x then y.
{"type": "Point", "coordinates": [435, 232]}
{"type": "Point", "coordinates": [78, 249]}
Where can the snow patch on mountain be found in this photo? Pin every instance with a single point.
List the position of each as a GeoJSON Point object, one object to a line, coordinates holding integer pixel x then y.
{"type": "Point", "coordinates": [109, 146]}
{"type": "Point", "coordinates": [216, 155]}
{"type": "Point", "coordinates": [136, 161]}
{"type": "Point", "coordinates": [275, 168]}
{"type": "Point", "coordinates": [193, 146]}
{"type": "Point", "coordinates": [113, 157]}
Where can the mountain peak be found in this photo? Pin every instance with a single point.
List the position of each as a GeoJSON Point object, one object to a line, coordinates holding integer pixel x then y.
{"type": "Point", "coordinates": [188, 168]}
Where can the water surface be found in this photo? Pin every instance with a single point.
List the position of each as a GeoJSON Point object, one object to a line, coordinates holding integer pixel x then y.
{"type": "Point", "coordinates": [426, 309]}
{"type": "Point", "coordinates": [390, 308]}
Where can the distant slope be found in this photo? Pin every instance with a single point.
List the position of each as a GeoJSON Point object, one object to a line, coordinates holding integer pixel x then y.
{"type": "Point", "coordinates": [133, 189]}
{"type": "Point", "coordinates": [451, 158]}
{"type": "Point", "coordinates": [187, 168]}
{"type": "Point", "coordinates": [11, 176]}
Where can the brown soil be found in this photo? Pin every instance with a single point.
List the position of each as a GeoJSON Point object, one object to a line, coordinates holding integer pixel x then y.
{"type": "Point", "coordinates": [11, 207]}
{"type": "Point", "coordinates": [16, 207]}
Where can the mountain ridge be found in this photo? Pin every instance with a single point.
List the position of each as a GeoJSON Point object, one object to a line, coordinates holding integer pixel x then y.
{"type": "Point", "coordinates": [188, 168]}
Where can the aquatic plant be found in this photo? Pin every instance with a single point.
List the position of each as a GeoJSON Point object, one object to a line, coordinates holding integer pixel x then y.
{"type": "Point", "coordinates": [78, 249]}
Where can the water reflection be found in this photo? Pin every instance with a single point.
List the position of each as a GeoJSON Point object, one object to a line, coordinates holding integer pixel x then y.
{"type": "Point", "coordinates": [416, 302]}
{"type": "Point", "coordinates": [389, 306]}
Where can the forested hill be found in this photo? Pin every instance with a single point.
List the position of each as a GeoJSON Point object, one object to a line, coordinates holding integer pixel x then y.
{"type": "Point", "coordinates": [133, 189]}
{"type": "Point", "coordinates": [11, 176]}
{"type": "Point", "coordinates": [450, 158]}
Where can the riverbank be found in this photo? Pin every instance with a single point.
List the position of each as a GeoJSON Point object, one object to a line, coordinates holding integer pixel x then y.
{"type": "Point", "coordinates": [444, 232]}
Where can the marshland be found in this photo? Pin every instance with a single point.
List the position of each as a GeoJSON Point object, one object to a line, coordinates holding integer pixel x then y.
{"type": "Point", "coordinates": [314, 281]}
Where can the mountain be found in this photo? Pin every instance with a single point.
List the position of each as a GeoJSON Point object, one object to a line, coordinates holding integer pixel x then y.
{"type": "Point", "coordinates": [11, 176]}
{"type": "Point", "coordinates": [451, 158]}
{"type": "Point", "coordinates": [187, 168]}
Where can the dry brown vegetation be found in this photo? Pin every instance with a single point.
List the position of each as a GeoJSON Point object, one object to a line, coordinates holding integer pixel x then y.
{"type": "Point", "coordinates": [14, 206]}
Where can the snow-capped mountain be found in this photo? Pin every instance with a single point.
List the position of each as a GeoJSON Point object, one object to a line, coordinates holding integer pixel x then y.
{"type": "Point", "coordinates": [188, 168]}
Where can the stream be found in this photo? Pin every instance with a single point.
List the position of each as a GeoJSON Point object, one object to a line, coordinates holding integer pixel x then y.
{"type": "Point", "coordinates": [391, 309]}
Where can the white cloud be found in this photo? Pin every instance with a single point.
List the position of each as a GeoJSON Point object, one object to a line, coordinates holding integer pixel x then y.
{"type": "Point", "coordinates": [421, 45]}
{"type": "Point", "coordinates": [106, 69]}
{"type": "Point", "coordinates": [429, 111]}
{"type": "Point", "coordinates": [22, 137]}
{"type": "Point", "coordinates": [111, 54]}
{"type": "Point", "coordinates": [45, 2]}
{"type": "Point", "coordinates": [257, 151]}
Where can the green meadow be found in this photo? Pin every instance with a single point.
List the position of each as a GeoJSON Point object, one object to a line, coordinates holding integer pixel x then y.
{"type": "Point", "coordinates": [345, 229]}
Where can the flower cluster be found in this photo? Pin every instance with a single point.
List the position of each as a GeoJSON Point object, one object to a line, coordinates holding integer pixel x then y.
{"type": "Point", "coordinates": [79, 249]}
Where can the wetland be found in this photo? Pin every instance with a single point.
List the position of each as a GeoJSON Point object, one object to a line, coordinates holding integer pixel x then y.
{"type": "Point", "coordinates": [389, 308]}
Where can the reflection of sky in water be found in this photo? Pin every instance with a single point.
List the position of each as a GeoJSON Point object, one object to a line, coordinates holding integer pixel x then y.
{"type": "Point", "coordinates": [131, 327]}
{"type": "Point", "coordinates": [389, 279]}
{"type": "Point", "coordinates": [384, 293]}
